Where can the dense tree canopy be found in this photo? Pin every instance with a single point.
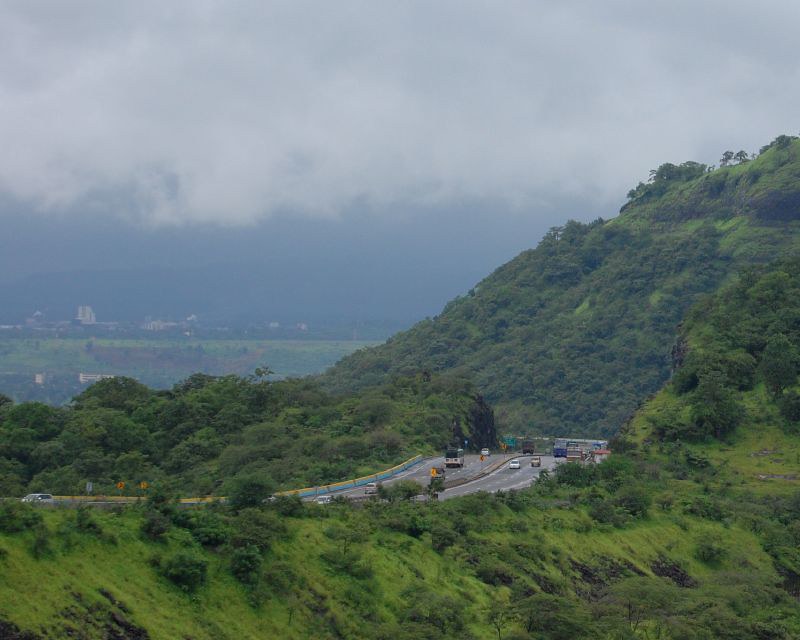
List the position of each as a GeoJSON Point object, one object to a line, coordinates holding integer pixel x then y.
{"type": "Point", "coordinates": [243, 435]}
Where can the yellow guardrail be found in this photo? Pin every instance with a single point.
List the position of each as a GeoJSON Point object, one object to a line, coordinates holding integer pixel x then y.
{"type": "Point", "coordinates": [355, 482]}
{"type": "Point", "coordinates": [308, 491]}
{"type": "Point", "coordinates": [127, 499]}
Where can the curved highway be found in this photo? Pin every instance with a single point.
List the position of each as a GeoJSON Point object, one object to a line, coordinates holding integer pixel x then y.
{"type": "Point", "coordinates": [490, 475]}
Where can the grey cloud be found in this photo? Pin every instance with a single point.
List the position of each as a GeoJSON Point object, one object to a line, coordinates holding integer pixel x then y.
{"type": "Point", "coordinates": [230, 112]}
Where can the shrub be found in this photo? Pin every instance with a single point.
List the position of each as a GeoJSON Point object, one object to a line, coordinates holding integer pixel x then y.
{"type": "Point", "coordinates": [186, 569]}
{"type": "Point", "coordinates": [155, 525]}
{"type": "Point", "coordinates": [634, 500]}
{"type": "Point", "coordinates": [258, 528]}
{"type": "Point", "coordinates": [288, 506]}
{"type": "Point", "coordinates": [412, 524]}
{"type": "Point", "coordinates": [442, 537]}
{"type": "Point", "coordinates": [246, 565]}
{"type": "Point", "coordinates": [789, 405]}
{"type": "Point", "coordinates": [606, 512]}
{"type": "Point", "coordinates": [710, 551]}
{"type": "Point", "coordinates": [575, 475]}
{"type": "Point", "coordinates": [494, 572]}
{"type": "Point", "coordinates": [250, 490]}
{"type": "Point", "coordinates": [665, 501]}
{"type": "Point", "coordinates": [16, 516]}
{"type": "Point", "coordinates": [350, 563]}
{"type": "Point", "coordinates": [705, 507]}
{"type": "Point", "coordinates": [210, 529]}
{"type": "Point", "coordinates": [85, 522]}
{"type": "Point", "coordinates": [41, 541]}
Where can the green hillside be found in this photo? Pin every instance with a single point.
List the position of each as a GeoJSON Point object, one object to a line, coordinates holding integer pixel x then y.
{"type": "Point", "coordinates": [690, 531]}
{"type": "Point", "coordinates": [567, 338]}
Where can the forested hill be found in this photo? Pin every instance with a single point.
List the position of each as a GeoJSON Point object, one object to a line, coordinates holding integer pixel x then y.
{"type": "Point", "coordinates": [569, 337]}
{"type": "Point", "coordinates": [689, 531]}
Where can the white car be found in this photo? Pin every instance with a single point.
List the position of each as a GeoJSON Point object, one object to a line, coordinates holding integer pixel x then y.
{"type": "Point", "coordinates": [485, 452]}
{"type": "Point", "coordinates": [371, 488]}
{"type": "Point", "coordinates": [39, 498]}
{"type": "Point", "coordinates": [324, 499]}
{"type": "Point", "coordinates": [514, 464]}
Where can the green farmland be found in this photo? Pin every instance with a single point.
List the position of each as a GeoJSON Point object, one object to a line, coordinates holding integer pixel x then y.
{"type": "Point", "coordinates": [157, 363]}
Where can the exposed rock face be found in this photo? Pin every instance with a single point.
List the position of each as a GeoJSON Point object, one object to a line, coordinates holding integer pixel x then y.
{"type": "Point", "coordinates": [678, 353]}
{"type": "Point", "coordinates": [483, 432]}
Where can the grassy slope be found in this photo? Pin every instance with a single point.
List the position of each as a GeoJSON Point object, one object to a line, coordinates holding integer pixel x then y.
{"type": "Point", "coordinates": [568, 337]}
{"type": "Point", "coordinates": [331, 605]}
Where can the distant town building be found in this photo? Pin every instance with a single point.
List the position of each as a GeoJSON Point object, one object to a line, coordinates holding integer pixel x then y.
{"type": "Point", "coordinates": [274, 325]}
{"type": "Point", "coordinates": [159, 325]}
{"type": "Point", "coordinates": [86, 315]}
{"type": "Point", "coordinates": [85, 378]}
{"type": "Point", "coordinates": [302, 326]}
{"type": "Point", "coordinates": [38, 378]}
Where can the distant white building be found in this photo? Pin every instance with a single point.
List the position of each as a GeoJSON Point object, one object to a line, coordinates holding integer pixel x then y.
{"type": "Point", "coordinates": [86, 315]}
{"type": "Point", "coordinates": [159, 325]}
{"type": "Point", "coordinates": [85, 378]}
{"type": "Point", "coordinates": [38, 378]}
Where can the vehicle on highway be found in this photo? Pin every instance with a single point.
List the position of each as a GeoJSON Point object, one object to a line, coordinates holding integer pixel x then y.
{"type": "Point", "coordinates": [514, 464]}
{"type": "Point", "coordinates": [324, 499]}
{"type": "Point", "coordinates": [371, 488]}
{"type": "Point", "coordinates": [536, 461]}
{"type": "Point", "coordinates": [454, 457]}
{"type": "Point", "coordinates": [485, 452]}
{"type": "Point", "coordinates": [527, 446]}
{"type": "Point", "coordinates": [41, 498]}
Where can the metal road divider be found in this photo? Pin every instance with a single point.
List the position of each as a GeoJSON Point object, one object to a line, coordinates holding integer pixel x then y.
{"type": "Point", "coordinates": [355, 482]}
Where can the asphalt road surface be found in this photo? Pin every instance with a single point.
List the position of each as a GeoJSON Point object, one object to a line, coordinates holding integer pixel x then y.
{"type": "Point", "coordinates": [421, 472]}
{"type": "Point", "coordinates": [501, 479]}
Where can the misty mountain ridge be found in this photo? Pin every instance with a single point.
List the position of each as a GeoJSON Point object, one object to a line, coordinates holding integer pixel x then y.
{"type": "Point", "coordinates": [569, 337]}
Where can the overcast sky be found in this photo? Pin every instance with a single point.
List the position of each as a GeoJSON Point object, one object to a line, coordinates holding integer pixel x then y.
{"type": "Point", "coordinates": [177, 112]}
{"type": "Point", "coordinates": [443, 136]}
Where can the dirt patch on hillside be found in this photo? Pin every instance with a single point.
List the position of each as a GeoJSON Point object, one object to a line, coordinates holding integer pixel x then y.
{"type": "Point", "coordinates": [666, 568]}
{"type": "Point", "coordinates": [600, 574]}
{"type": "Point", "coordinates": [10, 631]}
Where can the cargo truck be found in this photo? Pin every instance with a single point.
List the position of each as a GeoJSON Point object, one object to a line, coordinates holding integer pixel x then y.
{"type": "Point", "coordinates": [454, 457]}
{"type": "Point", "coordinates": [527, 447]}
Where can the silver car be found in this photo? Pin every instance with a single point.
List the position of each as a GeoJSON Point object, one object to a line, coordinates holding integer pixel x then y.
{"type": "Point", "coordinates": [39, 498]}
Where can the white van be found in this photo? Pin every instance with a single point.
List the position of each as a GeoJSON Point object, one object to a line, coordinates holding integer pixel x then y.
{"type": "Point", "coordinates": [371, 488]}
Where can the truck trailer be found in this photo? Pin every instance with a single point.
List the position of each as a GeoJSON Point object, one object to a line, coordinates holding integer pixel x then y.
{"type": "Point", "coordinates": [454, 457]}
